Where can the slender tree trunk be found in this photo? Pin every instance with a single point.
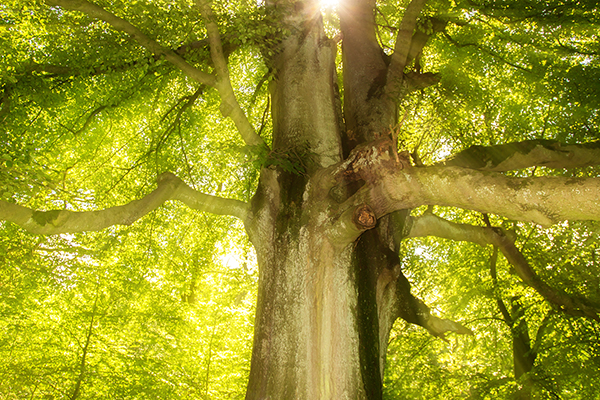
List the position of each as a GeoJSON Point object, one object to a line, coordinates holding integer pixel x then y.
{"type": "Point", "coordinates": [523, 354]}
{"type": "Point", "coordinates": [84, 351]}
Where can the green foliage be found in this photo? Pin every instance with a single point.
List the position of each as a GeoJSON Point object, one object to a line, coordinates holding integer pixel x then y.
{"type": "Point", "coordinates": [510, 71]}
{"type": "Point", "coordinates": [165, 318]}
{"type": "Point", "coordinates": [164, 308]}
{"type": "Point", "coordinates": [454, 279]}
{"type": "Point", "coordinates": [168, 303]}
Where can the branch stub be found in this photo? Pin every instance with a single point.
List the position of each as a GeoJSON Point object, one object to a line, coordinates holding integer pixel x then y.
{"type": "Point", "coordinates": [364, 217]}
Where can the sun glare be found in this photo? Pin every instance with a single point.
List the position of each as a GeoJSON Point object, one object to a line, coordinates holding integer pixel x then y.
{"type": "Point", "coordinates": [329, 4]}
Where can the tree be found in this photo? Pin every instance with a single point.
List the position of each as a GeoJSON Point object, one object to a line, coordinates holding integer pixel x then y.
{"type": "Point", "coordinates": [325, 132]}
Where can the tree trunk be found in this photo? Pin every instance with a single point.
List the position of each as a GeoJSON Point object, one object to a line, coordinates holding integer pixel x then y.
{"type": "Point", "coordinates": [306, 341]}
{"type": "Point", "coordinates": [325, 303]}
{"type": "Point", "coordinates": [331, 207]}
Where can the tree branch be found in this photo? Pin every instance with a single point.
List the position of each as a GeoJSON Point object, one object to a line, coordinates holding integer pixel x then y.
{"type": "Point", "coordinates": [415, 79]}
{"type": "Point", "coordinates": [170, 187]}
{"type": "Point", "coordinates": [542, 200]}
{"type": "Point", "coordinates": [395, 300]}
{"type": "Point", "coordinates": [85, 350]}
{"type": "Point", "coordinates": [120, 24]}
{"type": "Point", "coordinates": [487, 51]}
{"type": "Point", "coordinates": [542, 330]}
{"type": "Point", "coordinates": [50, 70]}
{"type": "Point", "coordinates": [568, 304]}
{"type": "Point", "coordinates": [229, 105]}
{"type": "Point", "coordinates": [402, 48]}
{"type": "Point", "coordinates": [420, 39]}
{"type": "Point", "coordinates": [431, 225]}
{"type": "Point", "coordinates": [5, 101]}
{"type": "Point", "coordinates": [529, 153]}
{"type": "Point", "coordinates": [208, 203]}
{"type": "Point", "coordinates": [493, 272]}
{"type": "Point", "coordinates": [392, 184]}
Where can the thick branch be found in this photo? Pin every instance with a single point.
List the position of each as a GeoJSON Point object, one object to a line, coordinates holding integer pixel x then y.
{"type": "Point", "coordinates": [393, 184]}
{"type": "Point", "coordinates": [417, 81]}
{"type": "Point", "coordinates": [212, 204]}
{"type": "Point", "coordinates": [402, 47]}
{"type": "Point", "coordinates": [437, 326]}
{"type": "Point", "coordinates": [120, 24]}
{"type": "Point", "coordinates": [169, 187]}
{"type": "Point", "coordinates": [542, 200]}
{"type": "Point", "coordinates": [420, 39]}
{"type": "Point", "coordinates": [529, 153]}
{"type": "Point", "coordinates": [229, 106]}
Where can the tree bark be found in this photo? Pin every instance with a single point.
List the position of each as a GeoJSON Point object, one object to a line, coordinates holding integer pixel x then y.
{"type": "Point", "coordinates": [327, 236]}
{"type": "Point", "coordinates": [305, 340]}
{"type": "Point", "coordinates": [170, 187]}
{"type": "Point", "coordinates": [529, 153]}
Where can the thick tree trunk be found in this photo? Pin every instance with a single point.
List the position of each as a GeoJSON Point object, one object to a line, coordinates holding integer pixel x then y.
{"type": "Point", "coordinates": [371, 114]}
{"type": "Point", "coordinates": [306, 337]}
{"type": "Point", "coordinates": [326, 304]}
{"type": "Point", "coordinates": [332, 203]}
{"type": "Point", "coordinates": [306, 340]}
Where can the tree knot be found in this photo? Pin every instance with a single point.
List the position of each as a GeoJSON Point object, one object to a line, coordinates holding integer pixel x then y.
{"type": "Point", "coordinates": [364, 217]}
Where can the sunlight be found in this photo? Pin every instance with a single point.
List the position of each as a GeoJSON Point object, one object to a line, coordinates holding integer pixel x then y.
{"type": "Point", "coordinates": [329, 4]}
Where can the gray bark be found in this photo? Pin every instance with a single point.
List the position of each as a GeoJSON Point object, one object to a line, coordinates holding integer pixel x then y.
{"type": "Point", "coordinates": [327, 238]}
{"type": "Point", "coordinates": [305, 340]}
{"type": "Point", "coordinates": [529, 153]}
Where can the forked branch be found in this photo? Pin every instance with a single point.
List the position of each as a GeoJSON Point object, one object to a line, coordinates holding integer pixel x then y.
{"type": "Point", "coordinates": [229, 106]}
{"type": "Point", "coordinates": [170, 187]}
{"type": "Point", "coordinates": [431, 225]}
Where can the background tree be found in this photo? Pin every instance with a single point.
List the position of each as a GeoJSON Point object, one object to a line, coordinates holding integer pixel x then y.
{"type": "Point", "coordinates": [337, 139]}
